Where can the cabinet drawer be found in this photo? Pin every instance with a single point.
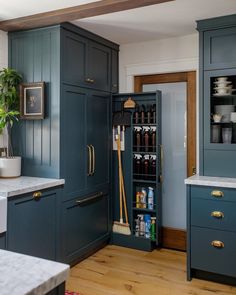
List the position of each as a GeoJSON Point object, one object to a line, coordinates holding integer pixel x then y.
{"type": "Point", "coordinates": [213, 193]}
{"type": "Point", "coordinates": [205, 256]}
{"type": "Point", "coordinates": [213, 214]}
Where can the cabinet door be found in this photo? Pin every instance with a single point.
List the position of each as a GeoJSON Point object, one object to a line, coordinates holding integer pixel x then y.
{"type": "Point", "coordinates": [114, 71]}
{"type": "Point", "coordinates": [73, 140]}
{"type": "Point", "coordinates": [99, 138]}
{"type": "Point", "coordinates": [219, 48]}
{"type": "Point", "coordinates": [75, 58]}
{"type": "Point", "coordinates": [2, 241]}
{"type": "Point", "coordinates": [85, 222]}
{"type": "Point", "coordinates": [32, 225]}
{"type": "Point", "coordinates": [99, 72]}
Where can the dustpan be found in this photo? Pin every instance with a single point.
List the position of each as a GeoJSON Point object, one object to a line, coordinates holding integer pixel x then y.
{"type": "Point", "coordinates": [122, 118]}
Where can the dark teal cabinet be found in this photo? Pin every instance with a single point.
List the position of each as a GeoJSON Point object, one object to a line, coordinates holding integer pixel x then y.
{"type": "Point", "coordinates": [217, 59]}
{"type": "Point", "coordinates": [211, 233]}
{"type": "Point", "coordinates": [85, 224]}
{"type": "Point", "coordinates": [85, 62]}
{"type": "Point", "coordinates": [32, 224]}
{"type": "Point", "coordinates": [2, 241]}
{"type": "Point", "coordinates": [115, 71]}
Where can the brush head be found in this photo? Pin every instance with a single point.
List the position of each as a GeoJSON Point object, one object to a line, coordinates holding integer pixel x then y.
{"type": "Point", "coordinates": [122, 118]}
{"type": "Point", "coordinates": [121, 228]}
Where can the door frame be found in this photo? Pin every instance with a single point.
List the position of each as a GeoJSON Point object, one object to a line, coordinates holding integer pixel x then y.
{"type": "Point", "coordinates": [175, 238]}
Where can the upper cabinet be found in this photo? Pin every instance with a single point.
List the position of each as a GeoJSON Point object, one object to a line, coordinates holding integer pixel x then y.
{"type": "Point", "coordinates": [87, 63]}
{"type": "Point", "coordinates": [218, 96]}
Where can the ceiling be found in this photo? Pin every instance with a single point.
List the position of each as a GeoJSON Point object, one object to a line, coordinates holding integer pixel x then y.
{"type": "Point", "coordinates": [154, 22]}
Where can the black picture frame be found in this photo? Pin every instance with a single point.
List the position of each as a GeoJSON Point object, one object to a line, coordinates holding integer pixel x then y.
{"type": "Point", "coordinates": [32, 101]}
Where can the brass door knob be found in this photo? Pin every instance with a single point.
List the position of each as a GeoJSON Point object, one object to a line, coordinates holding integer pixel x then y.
{"type": "Point", "coordinates": [217, 194]}
{"type": "Point", "coordinates": [217, 214]}
{"type": "Point", "coordinates": [217, 244]}
{"type": "Point", "coordinates": [37, 195]}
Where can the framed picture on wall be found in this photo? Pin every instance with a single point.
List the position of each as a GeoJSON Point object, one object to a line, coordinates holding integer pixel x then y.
{"type": "Point", "coordinates": [32, 100]}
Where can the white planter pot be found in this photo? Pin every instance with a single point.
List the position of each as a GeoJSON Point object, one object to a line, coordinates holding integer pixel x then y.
{"type": "Point", "coordinates": [10, 167]}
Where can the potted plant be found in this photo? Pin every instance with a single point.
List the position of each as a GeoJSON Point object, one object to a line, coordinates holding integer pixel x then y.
{"type": "Point", "coordinates": [10, 166]}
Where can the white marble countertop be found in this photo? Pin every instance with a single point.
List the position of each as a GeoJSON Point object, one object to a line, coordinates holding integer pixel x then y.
{"type": "Point", "coordinates": [24, 184]}
{"type": "Point", "coordinates": [22, 274]}
{"type": "Point", "coordinates": [211, 181]}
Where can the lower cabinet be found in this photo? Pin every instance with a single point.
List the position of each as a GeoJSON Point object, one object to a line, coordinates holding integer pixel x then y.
{"type": "Point", "coordinates": [2, 241]}
{"type": "Point", "coordinates": [84, 225]}
{"type": "Point", "coordinates": [32, 225]}
{"type": "Point", "coordinates": [211, 233]}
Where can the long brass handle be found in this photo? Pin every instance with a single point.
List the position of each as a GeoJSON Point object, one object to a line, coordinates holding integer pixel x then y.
{"type": "Point", "coordinates": [217, 244]}
{"type": "Point", "coordinates": [90, 160]}
{"type": "Point", "coordinates": [94, 159]}
{"type": "Point", "coordinates": [217, 194]}
{"type": "Point", "coordinates": [217, 214]}
{"type": "Point", "coordinates": [37, 195]}
{"type": "Point", "coordinates": [90, 198]}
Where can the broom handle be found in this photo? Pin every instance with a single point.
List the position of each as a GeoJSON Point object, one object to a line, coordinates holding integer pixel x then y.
{"type": "Point", "coordinates": [124, 197]}
{"type": "Point", "coordinates": [120, 184]}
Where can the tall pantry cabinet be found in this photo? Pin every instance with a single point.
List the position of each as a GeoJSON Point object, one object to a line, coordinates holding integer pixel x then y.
{"type": "Point", "coordinates": [80, 71]}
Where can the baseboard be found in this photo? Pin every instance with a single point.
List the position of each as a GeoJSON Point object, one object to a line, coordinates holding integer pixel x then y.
{"type": "Point", "coordinates": [174, 238]}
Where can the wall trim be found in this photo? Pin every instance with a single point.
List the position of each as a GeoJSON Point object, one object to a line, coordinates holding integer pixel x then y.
{"type": "Point", "coordinates": [174, 238]}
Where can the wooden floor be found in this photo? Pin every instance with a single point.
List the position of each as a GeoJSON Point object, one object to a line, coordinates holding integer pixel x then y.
{"type": "Point", "coordinates": [121, 271]}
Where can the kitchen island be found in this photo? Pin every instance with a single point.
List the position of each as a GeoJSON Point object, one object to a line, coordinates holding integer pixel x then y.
{"type": "Point", "coordinates": [23, 274]}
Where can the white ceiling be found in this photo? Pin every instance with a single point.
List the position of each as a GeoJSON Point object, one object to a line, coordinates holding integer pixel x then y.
{"type": "Point", "coordinates": [154, 22]}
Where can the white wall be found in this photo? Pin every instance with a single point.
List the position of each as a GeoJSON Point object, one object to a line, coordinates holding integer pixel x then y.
{"type": "Point", "coordinates": [3, 64]}
{"type": "Point", "coordinates": [3, 49]}
{"type": "Point", "coordinates": [159, 56]}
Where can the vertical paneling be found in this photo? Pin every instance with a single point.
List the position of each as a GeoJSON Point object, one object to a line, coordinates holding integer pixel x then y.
{"type": "Point", "coordinates": [36, 54]}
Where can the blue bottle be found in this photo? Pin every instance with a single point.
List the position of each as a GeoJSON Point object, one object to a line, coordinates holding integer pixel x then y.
{"type": "Point", "coordinates": [150, 198]}
{"type": "Point", "coordinates": [147, 220]}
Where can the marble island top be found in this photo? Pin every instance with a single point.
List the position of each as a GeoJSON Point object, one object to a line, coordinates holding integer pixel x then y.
{"type": "Point", "coordinates": [24, 184]}
{"type": "Point", "coordinates": [22, 274]}
{"type": "Point", "coordinates": [211, 181]}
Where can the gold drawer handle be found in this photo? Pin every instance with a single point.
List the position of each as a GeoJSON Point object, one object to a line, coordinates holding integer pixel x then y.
{"type": "Point", "coordinates": [217, 244]}
{"type": "Point", "coordinates": [217, 214]}
{"type": "Point", "coordinates": [217, 194]}
{"type": "Point", "coordinates": [37, 195]}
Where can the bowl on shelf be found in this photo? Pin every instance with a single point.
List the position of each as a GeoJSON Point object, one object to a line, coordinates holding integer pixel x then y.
{"type": "Point", "coordinates": [225, 111]}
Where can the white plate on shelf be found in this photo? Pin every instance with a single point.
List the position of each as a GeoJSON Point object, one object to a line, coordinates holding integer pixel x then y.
{"type": "Point", "coordinates": [223, 82]}
{"type": "Point", "coordinates": [219, 94]}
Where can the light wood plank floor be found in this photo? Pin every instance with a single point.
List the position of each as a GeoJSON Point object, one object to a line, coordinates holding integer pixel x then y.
{"type": "Point", "coordinates": [121, 271]}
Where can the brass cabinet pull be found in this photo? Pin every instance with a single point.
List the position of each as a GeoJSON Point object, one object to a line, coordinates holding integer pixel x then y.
{"type": "Point", "coordinates": [217, 194]}
{"type": "Point", "coordinates": [217, 244]}
{"type": "Point", "coordinates": [90, 198]}
{"type": "Point", "coordinates": [90, 80]}
{"type": "Point", "coordinates": [90, 161]}
{"type": "Point", "coordinates": [37, 195]}
{"type": "Point", "coordinates": [217, 214]}
{"type": "Point", "coordinates": [94, 159]}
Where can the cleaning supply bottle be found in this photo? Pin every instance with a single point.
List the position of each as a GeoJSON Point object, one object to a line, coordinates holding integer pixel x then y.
{"type": "Point", "coordinates": [152, 167]}
{"type": "Point", "coordinates": [137, 139]}
{"type": "Point", "coordinates": [147, 220]}
{"type": "Point", "coordinates": [145, 138]}
{"type": "Point", "coordinates": [141, 225]}
{"type": "Point", "coordinates": [142, 114]}
{"type": "Point", "coordinates": [137, 168]}
{"type": "Point", "coordinates": [137, 226]}
{"type": "Point", "coordinates": [150, 198]}
{"type": "Point", "coordinates": [145, 167]}
{"type": "Point", "coordinates": [152, 139]}
{"type": "Point", "coordinates": [136, 115]}
{"type": "Point", "coordinates": [143, 198]}
{"type": "Point", "coordinates": [153, 228]}
{"type": "Point", "coordinates": [148, 116]}
{"type": "Point", "coordinates": [153, 115]}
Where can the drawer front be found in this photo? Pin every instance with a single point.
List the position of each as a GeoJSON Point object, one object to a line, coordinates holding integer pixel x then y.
{"type": "Point", "coordinates": [213, 193]}
{"type": "Point", "coordinates": [213, 214]}
{"type": "Point", "coordinates": [205, 256]}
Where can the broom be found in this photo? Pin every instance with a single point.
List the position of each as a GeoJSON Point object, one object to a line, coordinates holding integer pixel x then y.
{"type": "Point", "coordinates": [120, 226]}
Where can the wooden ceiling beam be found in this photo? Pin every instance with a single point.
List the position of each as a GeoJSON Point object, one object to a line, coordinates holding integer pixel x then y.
{"type": "Point", "coordinates": [74, 13]}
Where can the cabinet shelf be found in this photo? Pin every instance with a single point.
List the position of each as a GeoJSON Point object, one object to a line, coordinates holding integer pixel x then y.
{"type": "Point", "coordinates": [144, 181]}
{"type": "Point", "coordinates": [145, 153]}
{"type": "Point", "coordinates": [145, 124]}
{"type": "Point", "coordinates": [144, 210]}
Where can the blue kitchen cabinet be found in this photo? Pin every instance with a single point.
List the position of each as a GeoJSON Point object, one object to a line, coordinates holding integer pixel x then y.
{"type": "Point", "coordinates": [211, 233]}
{"type": "Point", "coordinates": [86, 225]}
{"type": "Point", "coordinates": [217, 59]}
{"type": "Point", "coordinates": [2, 241]}
{"type": "Point", "coordinates": [32, 223]}
{"type": "Point", "coordinates": [74, 140]}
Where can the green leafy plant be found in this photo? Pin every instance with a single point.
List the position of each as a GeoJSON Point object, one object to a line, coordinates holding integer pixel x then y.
{"type": "Point", "coordinates": [9, 102]}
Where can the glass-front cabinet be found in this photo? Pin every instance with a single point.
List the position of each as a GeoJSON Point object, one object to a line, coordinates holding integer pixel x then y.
{"type": "Point", "coordinates": [220, 109]}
